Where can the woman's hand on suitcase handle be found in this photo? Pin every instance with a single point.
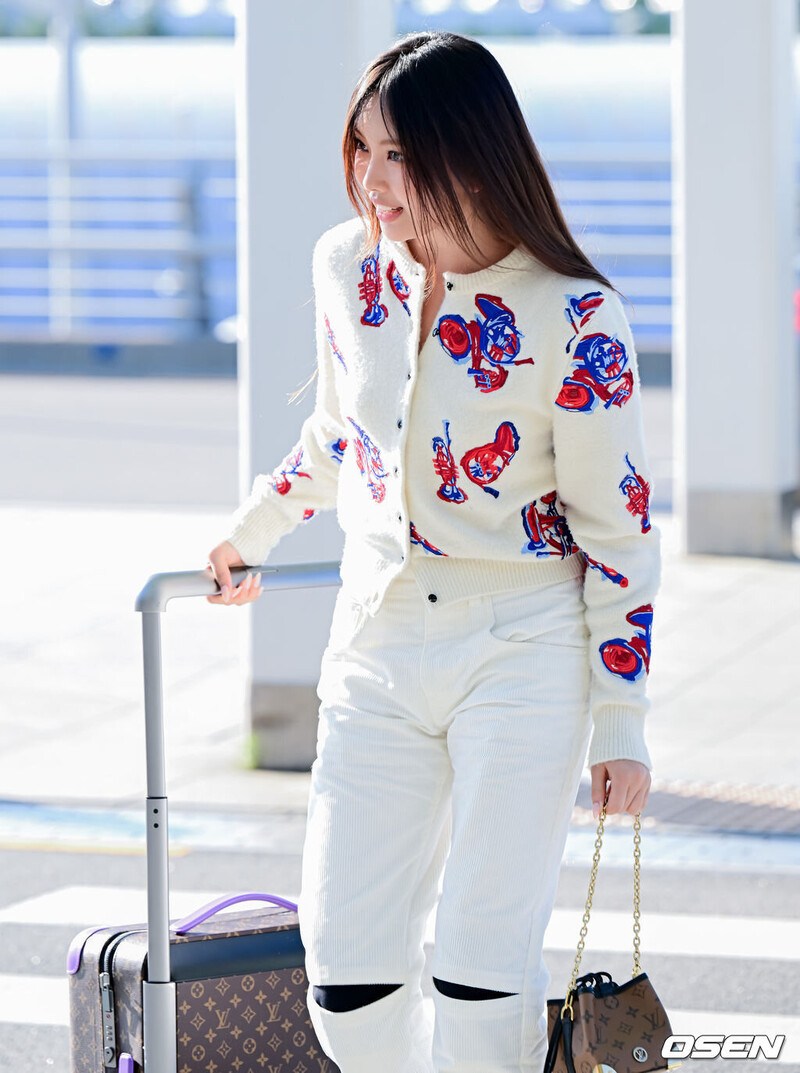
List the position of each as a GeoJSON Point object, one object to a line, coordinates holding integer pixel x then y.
{"type": "Point", "coordinates": [629, 789]}
{"type": "Point", "coordinates": [220, 560]}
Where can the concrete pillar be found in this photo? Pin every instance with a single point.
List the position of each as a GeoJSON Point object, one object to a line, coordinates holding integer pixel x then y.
{"type": "Point", "coordinates": [297, 65]}
{"type": "Point", "coordinates": [735, 376]}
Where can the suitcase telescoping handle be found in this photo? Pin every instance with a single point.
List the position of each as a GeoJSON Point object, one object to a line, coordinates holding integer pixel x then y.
{"type": "Point", "coordinates": [158, 992]}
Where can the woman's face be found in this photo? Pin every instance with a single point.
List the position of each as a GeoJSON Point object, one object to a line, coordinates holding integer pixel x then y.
{"type": "Point", "coordinates": [379, 169]}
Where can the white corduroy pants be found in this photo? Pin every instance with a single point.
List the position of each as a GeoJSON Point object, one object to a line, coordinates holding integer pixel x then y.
{"type": "Point", "coordinates": [451, 740]}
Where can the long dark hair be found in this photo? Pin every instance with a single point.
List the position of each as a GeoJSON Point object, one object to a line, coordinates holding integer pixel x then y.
{"type": "Point", "coordinates": [454, 114]}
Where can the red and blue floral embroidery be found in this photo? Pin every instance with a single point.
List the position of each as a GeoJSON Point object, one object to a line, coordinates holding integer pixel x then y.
{"type": "Point", "coordinates": [549, 534]}
{"type": "Point", "coordinates": [484, 464]}
{"type": "Point", "coordinates": [631, 659]}
{"type": "Point", "coordinates": [583, 309]}
{"type": "Point", "coordinates": [399, 286]}
{"type": "Point", "coordinates": [600, 374]}
{"type": "Point", "coordinates": [424, 544]}
{"type": "Point", "coordinates": [607, 571]}
{"type": "Point", "coordinates": [445, 466]}
{"type": "Point", "coordinates": [600, 361]}
{"type": "Point", "coordinates": [291, 468]}
{"type": "Point", "coordinates": [495, 340]}
{"type": "Point", "coordinates": [336, 450]}
{"type": "Point", "coordinates": [332, 341]}
{"type": "Point", "coordinates": [369, 462]}
{"type": "Point", "coordinates": [547, 530]}
{"type": "Point", "coordinates": [307, 514]}
{"type": "Point", "coordinates": [369, 291]}
{"type": "Point", "coordinates": [636, 488]}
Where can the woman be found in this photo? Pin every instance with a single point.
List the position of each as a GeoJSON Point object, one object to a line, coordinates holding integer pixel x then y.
{"type": "Point", "coordinates": [478, 426]}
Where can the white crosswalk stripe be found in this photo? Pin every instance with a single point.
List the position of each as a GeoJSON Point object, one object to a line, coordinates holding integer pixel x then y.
{"type": "Point", "coordinates": [679, 933]}
{"type": "Point", "coordinates": [84, 906]}
{"type": "Point", "coordinates": [660, 933]}
{"type": "Point", "coordinates": [33, 1000]}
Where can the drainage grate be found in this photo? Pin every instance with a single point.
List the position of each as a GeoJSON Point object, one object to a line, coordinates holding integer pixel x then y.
{"type": "Point", "coordinates": [707, 806]}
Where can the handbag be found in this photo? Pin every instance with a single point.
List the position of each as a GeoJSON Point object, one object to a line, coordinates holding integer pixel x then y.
{"type": "Point", "coordinates": [602, 1026]}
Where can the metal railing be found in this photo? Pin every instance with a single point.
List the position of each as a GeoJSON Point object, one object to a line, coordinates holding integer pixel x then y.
{"type": "Point", "coordinates": [88, 226]}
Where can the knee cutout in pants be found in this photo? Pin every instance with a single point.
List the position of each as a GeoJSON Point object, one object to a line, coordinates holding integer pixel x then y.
{"type": "Point", "coordinates": [463, 991]}
{"type": "Point", "coordinates": [340, 998]}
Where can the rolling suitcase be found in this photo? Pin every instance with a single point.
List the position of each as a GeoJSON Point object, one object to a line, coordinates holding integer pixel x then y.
{"type": "Point", "coordinates": [205, 994]}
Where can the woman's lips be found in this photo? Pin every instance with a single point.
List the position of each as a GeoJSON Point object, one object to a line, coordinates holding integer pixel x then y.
{"type": "Point", "coordinates": [387, 215]}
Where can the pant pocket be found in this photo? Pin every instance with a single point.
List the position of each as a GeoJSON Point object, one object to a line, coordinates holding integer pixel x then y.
{"type": "Point", "coordinates": [349, 615]}
{"type": "Point", "coordinates": [548, 615]}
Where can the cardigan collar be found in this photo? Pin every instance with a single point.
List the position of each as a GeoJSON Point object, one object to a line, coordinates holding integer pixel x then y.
{"type": "Point", "coordinates": [518, 259]}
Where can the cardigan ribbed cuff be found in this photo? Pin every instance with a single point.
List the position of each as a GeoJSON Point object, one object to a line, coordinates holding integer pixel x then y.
{"type": "Point", "coordinates": [257, 534]}
{"type": "Point", "coordinates": [618, 735]}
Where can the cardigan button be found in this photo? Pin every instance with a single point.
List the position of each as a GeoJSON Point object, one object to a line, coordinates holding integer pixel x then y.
{"type": "Point", "coordinates": [408, 376]}
{"type": "Point", "coordinates": [399, 422]}
{"type": "Point", "coordinates": [432, 597]}
{"type": "Point", "coordinates": [395, 469]}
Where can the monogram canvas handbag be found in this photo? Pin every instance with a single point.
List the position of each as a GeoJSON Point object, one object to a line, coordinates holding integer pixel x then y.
{"type": "Point", "coordinates": [602, 1026]}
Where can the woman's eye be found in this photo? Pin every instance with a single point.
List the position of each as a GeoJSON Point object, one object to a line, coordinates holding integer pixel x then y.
{"type": "Point", "coordinates": [394, 154]}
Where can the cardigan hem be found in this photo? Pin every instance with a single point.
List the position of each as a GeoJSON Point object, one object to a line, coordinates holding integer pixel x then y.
{"type": "Point", "coordinates": [459, 578]}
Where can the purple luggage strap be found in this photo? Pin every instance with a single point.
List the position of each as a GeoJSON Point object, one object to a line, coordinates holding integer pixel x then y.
{"type": "Point", "coordinates": [212, 907]}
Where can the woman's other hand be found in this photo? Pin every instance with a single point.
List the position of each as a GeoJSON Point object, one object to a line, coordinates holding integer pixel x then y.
{"type": "Point", "coordinates": [630, 786]}
{"type": "Point", "coordinates": [220, 560]}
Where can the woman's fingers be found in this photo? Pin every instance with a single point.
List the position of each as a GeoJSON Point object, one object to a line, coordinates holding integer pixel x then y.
{"type": "Point", "coordinates": [234, 594]}
{"type": "Point", "coordinates": [248, 590]}
{"type": "Point", "coordinates": [217, 597]}
{"type": "Point", "coordinates": [634, 796]}
{"type": "Point", "coordinates": [637, 803]}
{"type": "Point", "coordinates": [245, 592]}
{"type": "Point", "coordinates": [241, 594]}
{"type": "Point", "coordinates": [616, 796]}
{"type": "Point", "coordinates": [251, 587]}
{"type": "Point", "coordinates": [629, 786]}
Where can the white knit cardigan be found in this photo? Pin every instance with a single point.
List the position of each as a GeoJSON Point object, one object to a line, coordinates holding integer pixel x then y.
{"type": "Point", "coordinates": [508, 452]}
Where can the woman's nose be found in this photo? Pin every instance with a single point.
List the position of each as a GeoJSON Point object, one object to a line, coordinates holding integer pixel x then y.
{"type": "Point", "coordinates": [373, 176]}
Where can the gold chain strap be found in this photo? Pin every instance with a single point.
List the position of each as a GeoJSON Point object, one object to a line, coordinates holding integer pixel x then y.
{"type": "Point", "coordinates": [637, 841]}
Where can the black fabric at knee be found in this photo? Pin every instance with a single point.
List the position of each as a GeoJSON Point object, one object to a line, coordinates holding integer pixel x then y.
{"type": "Point", "coordinates": [339, 998]}
{"type": "Point", "coordinates": [463, 991]}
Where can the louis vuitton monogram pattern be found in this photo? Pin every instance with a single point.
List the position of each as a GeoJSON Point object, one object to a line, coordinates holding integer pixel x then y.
{"type": "Point", "coordinates": [623, 1031]}
{"type": "Point", "coordinates": [256, 1022]}
{"type": "Point", "coordinates": [85, 1014]}
{"type": "Point", "coordinates": [86, 1054]}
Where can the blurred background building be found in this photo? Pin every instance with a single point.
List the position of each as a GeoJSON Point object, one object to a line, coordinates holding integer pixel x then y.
{"type": "Point", "coordinates": [117, 164]}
